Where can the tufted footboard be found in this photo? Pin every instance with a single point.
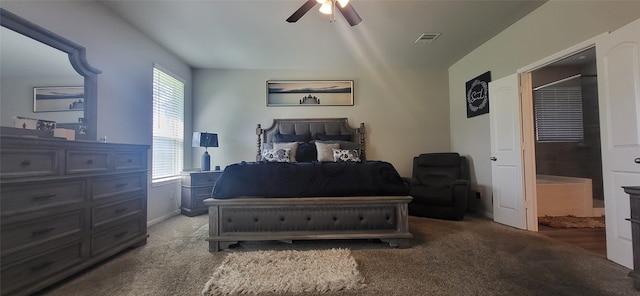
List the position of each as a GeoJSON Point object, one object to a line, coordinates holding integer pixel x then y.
{"type": "Point", "coordinates": [311, 218]}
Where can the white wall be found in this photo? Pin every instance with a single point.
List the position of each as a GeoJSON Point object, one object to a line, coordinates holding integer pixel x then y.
{"type": "Point", "coordinates": [401, 108]}
{"type": "Point", "coordinates": [555, 26]}
{"type": "Point", "coordinates": [17, 98]}
{"type": "Point", "coordinates": [126, 58]}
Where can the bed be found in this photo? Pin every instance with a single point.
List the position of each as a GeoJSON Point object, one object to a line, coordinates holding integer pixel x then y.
{"type": "Point", "coordinates": [293, 197]}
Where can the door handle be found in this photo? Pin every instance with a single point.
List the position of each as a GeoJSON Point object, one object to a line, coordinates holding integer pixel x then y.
{"type": "Point", "coordinates": [637, 160]}
{"type": "Point", "coordinates": [493, 158]}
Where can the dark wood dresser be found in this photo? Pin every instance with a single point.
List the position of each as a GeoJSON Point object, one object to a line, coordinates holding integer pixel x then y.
{"type": "Point", "coordinates": [634, 204]}
{"type": "Point", "coordinates": [66, 205]}
{"type": "Point", "coordinates": [196, 187]}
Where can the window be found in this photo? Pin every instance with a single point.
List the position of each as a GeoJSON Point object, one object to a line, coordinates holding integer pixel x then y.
{"type": "Point", "coordinates": [558, 111]}
{"type": "Point", "coordinates": [168, 125]}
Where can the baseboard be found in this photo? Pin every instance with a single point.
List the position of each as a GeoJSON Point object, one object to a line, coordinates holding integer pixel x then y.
{"type": "Point", "coordinates": [487, 214]}
{"type": "Point", "coordinates": [162, 218]}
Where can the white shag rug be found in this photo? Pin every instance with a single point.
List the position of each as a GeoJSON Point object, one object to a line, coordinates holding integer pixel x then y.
{"type": "Point", "coordinates": [276, 272]}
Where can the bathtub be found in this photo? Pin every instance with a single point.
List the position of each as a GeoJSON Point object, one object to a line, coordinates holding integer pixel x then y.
{"type": "Point", "coordinates": [562, 196]}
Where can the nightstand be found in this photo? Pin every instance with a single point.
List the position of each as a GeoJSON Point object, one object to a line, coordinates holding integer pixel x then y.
{"type": "Point", "coordinates": [196, 187]}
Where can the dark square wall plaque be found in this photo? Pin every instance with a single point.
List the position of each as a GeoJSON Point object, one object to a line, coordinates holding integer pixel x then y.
{"type": "Point", "coordinates": [477, 95]}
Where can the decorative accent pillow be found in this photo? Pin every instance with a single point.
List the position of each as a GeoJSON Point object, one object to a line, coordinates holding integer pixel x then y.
{"type": "Point", "coordinates": [324, 137]}
{"type": "Point", "coordinates": [276, 155]}
{"type": "Point", "coordinates": [284, 138]}
{"type": "Point", "coordinates": [343, 144]}
{"type": "Point", "coordinates": [306, 152]}
{"type": "Point", "coordinates": [325, 151]}
{"type": "Point", "coordinates": [293, 148]}
{"type": "Point", "coordinates": [342, 155]}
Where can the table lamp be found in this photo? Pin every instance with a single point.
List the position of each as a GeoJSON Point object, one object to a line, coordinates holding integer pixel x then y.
{"type": "Point", "coordinates": [205, 140]}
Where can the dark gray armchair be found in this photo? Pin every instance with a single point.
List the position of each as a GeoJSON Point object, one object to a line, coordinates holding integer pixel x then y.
{"type": "Point", "coordinates": [440, 186]}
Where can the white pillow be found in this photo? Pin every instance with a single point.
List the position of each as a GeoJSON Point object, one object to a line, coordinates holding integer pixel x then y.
{"type": "Point", "coordinates": [325, 151]}
{"type": "Point", "coordinates": [276, 155]}
{"type": "Point", "coordinates": [292, 146]}
{"type": "Point", "coordinates": [342, 155]}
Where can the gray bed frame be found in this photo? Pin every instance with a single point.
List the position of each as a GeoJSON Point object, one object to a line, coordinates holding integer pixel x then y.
{"type": "Point", "coordinates": [308, 218]}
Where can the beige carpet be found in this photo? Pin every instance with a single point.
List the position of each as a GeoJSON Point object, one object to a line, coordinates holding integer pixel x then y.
{"type": "Point", "coordinates": [447, 258]}
{"type": "Point", "coordinates": [572, 222]}
{"type": "Point", "coordinates": [291, 271]}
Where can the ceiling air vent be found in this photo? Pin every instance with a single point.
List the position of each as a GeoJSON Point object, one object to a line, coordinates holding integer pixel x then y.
{"type": "Point", "coordinates": [427, 38]}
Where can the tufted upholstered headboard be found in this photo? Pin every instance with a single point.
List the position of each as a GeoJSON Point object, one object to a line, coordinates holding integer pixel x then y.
{"type": "Point", "coordinates": [311, 126]}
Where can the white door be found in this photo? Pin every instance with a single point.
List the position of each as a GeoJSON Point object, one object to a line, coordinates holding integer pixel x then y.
{"type": "Point", "coordinates": [619, 92]}
{"type": "Point", "coordinates": [506, 155]}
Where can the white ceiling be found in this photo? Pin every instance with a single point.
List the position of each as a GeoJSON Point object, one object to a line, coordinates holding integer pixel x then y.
{"type": "Point", "coordinates": [242, 34]}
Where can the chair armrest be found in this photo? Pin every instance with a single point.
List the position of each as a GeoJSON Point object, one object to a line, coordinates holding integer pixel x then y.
{"type": "Point", "coordinates": [410, 181]}
{"type": "Point", "coordinates": [460, 182]}
{"type": "Point", "coordinates": [460, 191]}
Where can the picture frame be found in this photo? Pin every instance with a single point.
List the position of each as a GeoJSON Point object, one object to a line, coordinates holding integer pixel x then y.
{"type": "Point", "coordinates": [309, 93]}
{"type": "Point", "coordinates": [477, 95]}
{"type": "Point", "coordinates": [58, 99]}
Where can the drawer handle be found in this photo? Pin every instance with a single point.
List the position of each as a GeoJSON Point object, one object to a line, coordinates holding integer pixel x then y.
{"type": "Point", "coordinates": [41, 197]}
{"type": "Point", "coordinates": [41, 266]}
{"type": "Point", "coordinates": [129, 160]}
{"type": "Point", "coordinates": [121, 234]}
{"type": "Point", "coordinates": [120, 210]}
{"type": "Point", "coordinates": [120, 185]}
{"type": "Point", "coordinates": [89, 161]}
{"type": "Point", "coordinates": [42, 231]}
{"type": "Point", "coordinates": [25, 163]}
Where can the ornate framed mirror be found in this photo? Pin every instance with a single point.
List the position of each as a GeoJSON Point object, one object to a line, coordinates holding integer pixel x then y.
{"type": "Point", "coordinates": [83, 120]}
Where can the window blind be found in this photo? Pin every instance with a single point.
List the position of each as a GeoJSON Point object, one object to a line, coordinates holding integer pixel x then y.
{"type": "Point", "coordinates": [168, 125]}
{"type": "Point", "coordinates": [558, 114]}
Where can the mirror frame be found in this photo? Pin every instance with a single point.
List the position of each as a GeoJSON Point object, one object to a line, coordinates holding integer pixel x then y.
{"type": "Point", "coordinates": [77, 58]}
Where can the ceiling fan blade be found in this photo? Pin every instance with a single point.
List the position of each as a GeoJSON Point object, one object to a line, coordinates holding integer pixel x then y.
{"type": "Point", "coordinates": [350, 14]}
{"type": "Point", "coordinates": [301, 11]}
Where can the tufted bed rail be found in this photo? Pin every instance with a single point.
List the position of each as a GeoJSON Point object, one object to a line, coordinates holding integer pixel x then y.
{"type": "Point", "coordinates": [257, 218]}
{"type": "Point", "coordinates": [358, 217]}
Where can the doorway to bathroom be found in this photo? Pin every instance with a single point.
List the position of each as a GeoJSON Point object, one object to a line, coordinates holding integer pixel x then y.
{"type": "Point", "coordinates": [568, 157]}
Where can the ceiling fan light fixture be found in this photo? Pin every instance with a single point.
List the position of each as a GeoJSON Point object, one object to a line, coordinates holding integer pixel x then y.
{"type": "Point", "coordinates": [326, 7]}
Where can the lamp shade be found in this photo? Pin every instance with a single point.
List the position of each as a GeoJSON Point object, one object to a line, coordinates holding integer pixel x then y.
{"type": "Point", "coordinates": [205, 139]}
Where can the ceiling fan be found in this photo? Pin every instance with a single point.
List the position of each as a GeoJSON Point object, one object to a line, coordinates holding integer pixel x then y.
{"type": "Point", "coordinates": [328, 7]}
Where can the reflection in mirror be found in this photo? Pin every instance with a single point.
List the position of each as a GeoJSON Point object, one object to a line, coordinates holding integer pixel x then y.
{"type": "Point", "coordinates": [28, 65]}
{"type": "Point", "coordinates": [45, 76]}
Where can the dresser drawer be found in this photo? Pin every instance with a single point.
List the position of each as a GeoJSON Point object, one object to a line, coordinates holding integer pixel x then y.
{"type": "Point", "coordinates": [28, 162]}
{"type": "Point", "coordinates": [108, 213]}
{"type": "Point", "coordinates": [20, 235]}
{"type": "Point", "coordinates": [117, 185]}
{"type": "Point", "coordinates": [117, 236]}
{"type": "Point", "coordinates": [130, 160]}
{"type": "Point", "coordinates": [21, 275]}
{"type": "Point", "coordinates": [20, 198]}
{"type": "Point", "coordinates": [204, 179]}
{"type": "Point", "coordinates": [87, 161]}
{"type": "Point", "coordinates": [207, 178]}
{"type": "Point", "coordinates": [200, 194]}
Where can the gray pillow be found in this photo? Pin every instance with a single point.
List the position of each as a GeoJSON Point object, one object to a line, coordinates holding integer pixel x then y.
{"type": "Point", "coordinates": [325, 151]}
{"type": "Point", "coordinates": [343, 144]}
{"type": "Point", "coordinates": [292, 146]}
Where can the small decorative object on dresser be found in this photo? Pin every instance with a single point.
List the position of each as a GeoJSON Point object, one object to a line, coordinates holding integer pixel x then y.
{"type": "Point", "coordinates": [196, 187]}
{"type": "Point", "coordinates": [67, 205]}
